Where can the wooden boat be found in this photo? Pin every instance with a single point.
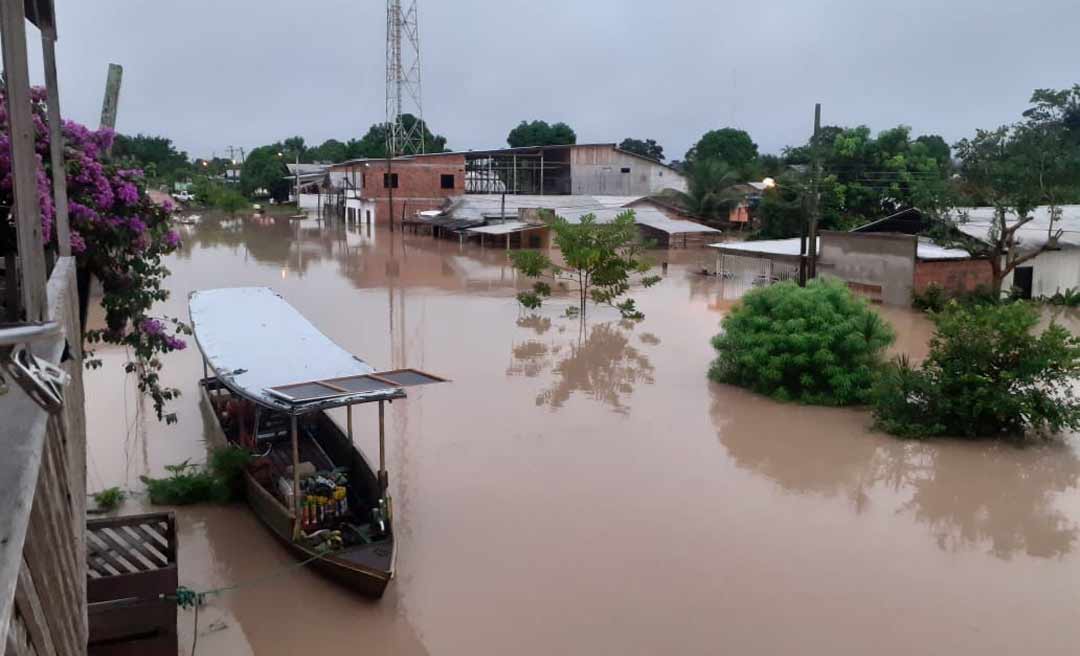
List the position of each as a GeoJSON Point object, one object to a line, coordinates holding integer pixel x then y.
{"type": "Point", "coordinates": [269, 378]}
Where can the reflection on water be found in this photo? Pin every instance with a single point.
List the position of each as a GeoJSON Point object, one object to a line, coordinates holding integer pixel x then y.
{"type": "Point", "coordinates": [598, 361]}
{"type": "Point", "coordinates": [969, 495]}
{"type": "Point", "coordinates": [589, 491]}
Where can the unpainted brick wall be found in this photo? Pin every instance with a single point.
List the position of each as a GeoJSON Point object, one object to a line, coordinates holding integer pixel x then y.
{"type": "Point", "coordinates": [953, 275]}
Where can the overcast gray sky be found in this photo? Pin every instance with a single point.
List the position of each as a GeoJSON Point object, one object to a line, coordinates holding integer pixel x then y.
{"type": "Point", "coordinates": [214, 73]}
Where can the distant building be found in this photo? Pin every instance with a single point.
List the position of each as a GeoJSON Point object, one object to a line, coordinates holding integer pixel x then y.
{"type": "Point", "coordinates": [418, 183]}
{"type": "Point", "coordinates": [1055, 269]}
{"type": "Point", "coordinates": [890, 259]}
{"type": "Point", "coordinates": [579, 169]}
{"type": "Point", "coordinates": [498, 216]}
{"type": "Point", "coordinates": [428, 181]}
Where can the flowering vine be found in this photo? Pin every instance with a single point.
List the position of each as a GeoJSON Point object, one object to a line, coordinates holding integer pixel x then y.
{"type": "Point", "coordinates": [117, 233]}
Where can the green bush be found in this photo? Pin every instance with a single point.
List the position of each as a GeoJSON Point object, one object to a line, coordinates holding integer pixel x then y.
{"type": "Point", "coordinates": [935, 297]}
{"type": "Point", "coordinates": [1068, 298]}
{"type": "Point", "coordinates": [218, 482]}
{"type": "Point", "coordinates": [817, 344]}
{"type": "Point", "coordinates": [109, 499]}
{"type": "Point", "coordinates": [987, 374]}
{"type": "Point", "coordinates": [931, 299]}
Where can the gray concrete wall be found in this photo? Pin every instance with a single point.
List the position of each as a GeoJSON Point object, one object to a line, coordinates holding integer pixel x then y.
{"type": "Point", "coordinates": [602, 171]}
{"type": "Point", "coordinates": [868, 260]}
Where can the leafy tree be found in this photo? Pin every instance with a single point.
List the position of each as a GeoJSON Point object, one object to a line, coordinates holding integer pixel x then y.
{"type": "Point", "coordinates": [729, 145]}
{"type": "Point", "coordinates": [646, 148]}
{"type": "Point", "coordinates": [265, 168]}
{"type": "Point", "coordinates": [157, 155]}
{"type": "Point", "coordinates": [1015, 169]}
{"type": "Point", "coordinates": [708, 194]}
{"type": "Point", "coordinates": [599, 260]}
{"type": "Point", "coordinates": [817, 344]}
{"type": "Point", "coordinates": [539, 133]}
{"type": "Point", "coordinates": [768, 166]}
{"type": "Point", "coordinates": [373, 144]}
{"type": "Point", "coordinates": [937, 148]}
{"type": "Point", "coordinates": [781, 213]}
{"type": "Point", "coordinates": [866, 177]}
{"type": "Point", "coordinates": [331, 150]}
{"type": "Point", "coordinates": [294, 146]}
{"type": "Point", "coordinates": [987, 374]}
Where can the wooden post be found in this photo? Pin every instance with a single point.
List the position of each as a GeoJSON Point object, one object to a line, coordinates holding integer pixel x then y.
{"type": "Point", "coordinates": [348, 412]}
{"type": "Point", "coordinates": [815, 196]}
{"type": "Point", "coordinates": [23, 162]}
{"type": "Point", "coordinates": [541, 172]}
{"type": "Point", "coordinates": [112, 96]}
{"type": "Point", "coordinates": [383, 478]}
{"type": "Point", "coordinates": [56, 140]}
{"type": "Point", "coordinates": [297, 514]}
{"type": "Point", "coordinates": [297, 181]}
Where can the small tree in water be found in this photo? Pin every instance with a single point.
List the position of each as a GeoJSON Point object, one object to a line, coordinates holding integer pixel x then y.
{"type": "Point", "coordinates": [600, 260]}
{"type": "Point", "coordinates": [988, 374]}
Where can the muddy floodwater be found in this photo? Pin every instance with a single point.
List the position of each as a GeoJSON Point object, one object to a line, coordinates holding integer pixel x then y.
{"type": "Point", "coordinates": [590, 492]}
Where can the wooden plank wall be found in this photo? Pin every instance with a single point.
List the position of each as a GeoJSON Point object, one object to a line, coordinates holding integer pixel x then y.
{"type": "Point", "coordinates": [49, 615]}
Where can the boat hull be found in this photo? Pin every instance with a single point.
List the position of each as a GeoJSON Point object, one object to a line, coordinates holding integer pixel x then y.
{"type": "Point", "coordinates": [367, 569]}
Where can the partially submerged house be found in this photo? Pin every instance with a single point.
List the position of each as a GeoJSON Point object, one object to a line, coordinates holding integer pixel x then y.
{"type": "Point", "coordinates": [427, 181]}
{"type": "Point", "coordinates": [1055, 269]}
{"type": "Point", "coordinates": [509, 218]}
{"type": "Point", "coordinates": [886, 267]}
{"type": "Point", "coordinates": [891, 258]}
{"type": "Point", "coordinates": [416, 182]}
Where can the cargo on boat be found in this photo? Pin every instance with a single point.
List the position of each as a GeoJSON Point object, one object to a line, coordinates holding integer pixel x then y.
{"type": "Point", "coordinates": [269, 378]}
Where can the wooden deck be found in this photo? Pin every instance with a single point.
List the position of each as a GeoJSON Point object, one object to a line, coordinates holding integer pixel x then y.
{"type": "Point", "coordinates": [131, 564]}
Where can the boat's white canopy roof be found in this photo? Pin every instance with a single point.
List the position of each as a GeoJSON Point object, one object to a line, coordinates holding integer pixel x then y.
{"type": "Point", "coordinates": [254, 341]}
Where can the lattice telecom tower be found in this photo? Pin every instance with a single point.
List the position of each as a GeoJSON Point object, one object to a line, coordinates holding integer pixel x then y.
{"type": "Point", "coordinates": [403, 79]}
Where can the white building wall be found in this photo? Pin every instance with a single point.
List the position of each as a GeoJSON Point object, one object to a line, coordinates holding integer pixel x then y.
{"type": "Point", "coordinates": [360, 210]}
{"type": "Point", "coordinates": [606, 171]}
{"type": "Point", "coordinates": [1053, 271]}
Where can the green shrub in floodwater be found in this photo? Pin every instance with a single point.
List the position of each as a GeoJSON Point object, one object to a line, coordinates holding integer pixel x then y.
{"type": "Point", "coordinates": [187, 483]}
{"type": "Point", "coordinates": [817, 344]}
{"type": "Point", "coordinates": [987, 374]}
{"type": "Point", "coordinates": [109, 499]}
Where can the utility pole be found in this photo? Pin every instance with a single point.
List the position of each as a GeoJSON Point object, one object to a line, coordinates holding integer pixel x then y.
{"type": "Point", "coordinates": [815, 194]}
{"type": "Point", "coordinates": [111, 102]}
{"type": "Point", "coordinates": [297, 179]}
{"type": "Point", "coordinates": [56, 139]}
{"type": "Point", "coordinates": [390, 181]}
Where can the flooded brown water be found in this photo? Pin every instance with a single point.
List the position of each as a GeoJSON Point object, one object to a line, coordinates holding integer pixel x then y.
{"type": "Point", "coordinates": [590, 492]}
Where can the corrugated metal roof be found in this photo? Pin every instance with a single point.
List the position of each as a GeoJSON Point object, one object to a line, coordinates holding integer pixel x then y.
{"type": "Point", "coordinates": [928, 250]}
{"type": "Point", "coordinates": [477, 206]}
{"type": "Point", "coordinates": [646, 216]}
{"type": "Point", "coordinates": [1031, 235]}
{"type": "Point", "coordinates": [504, 228]}
{"type": "Point", "coordinates": [762, 247]}
{"type": "Point", "coordinates": [572, 208]}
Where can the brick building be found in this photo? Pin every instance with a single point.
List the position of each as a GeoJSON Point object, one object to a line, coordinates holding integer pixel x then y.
{"type": "Point", "coordinates": [418, 182]}
{"type": "Point", "coordinates": [953, 275]}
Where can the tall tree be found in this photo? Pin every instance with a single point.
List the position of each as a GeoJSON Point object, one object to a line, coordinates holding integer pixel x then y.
{"type": "Point", "coordinates": [264, 169]}
{"type": "Point", "coordinates": [709, 194]}
{"type": "Point", "coordinates": [157, 155]}
{"type": "Point", "coordinates": [729, 145]}
{"type": "Point", "coordinates": [331, 151]}
{"type": "Point", "coordinates": [373, 144]}
{"type": "Point", "coordinates": [866, 177]}
{"type": "Point", "coordinates": [644, 147]}
{"type": "Point", "coordinates": [539, 133]}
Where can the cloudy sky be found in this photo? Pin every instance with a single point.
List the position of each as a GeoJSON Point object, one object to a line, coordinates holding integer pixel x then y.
{"type": "Point", "coordinates": [214, 73]}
